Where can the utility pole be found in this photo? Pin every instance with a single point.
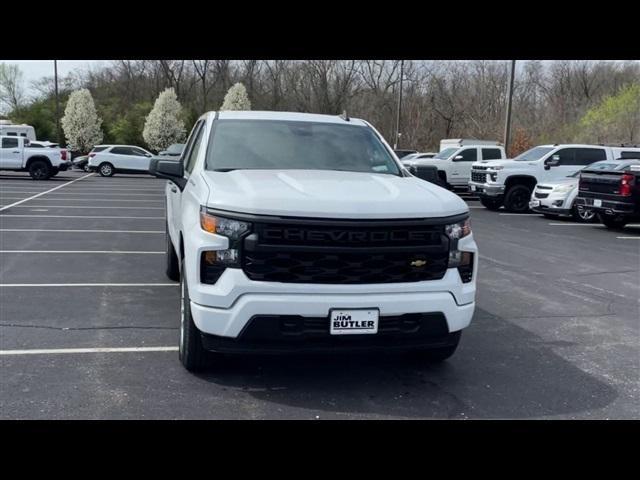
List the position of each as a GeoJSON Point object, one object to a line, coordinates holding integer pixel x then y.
{"type": "Point", "coordinates": [397, 137]}
{"type": "Point", "coordinates": [55, 74]}
{"type": "Point", "coordinates": [507, 126]}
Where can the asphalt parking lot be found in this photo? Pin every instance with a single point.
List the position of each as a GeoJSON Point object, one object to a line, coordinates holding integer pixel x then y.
{"type": "Point", "coordinates": [88, 323]}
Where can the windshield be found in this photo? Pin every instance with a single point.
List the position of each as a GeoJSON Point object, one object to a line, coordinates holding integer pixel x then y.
{"type": "Point", "coordinates": [278, 145]}
{"type": "Point", "coordinates": [536, 153]}
{"type": "Point", "coordinates": [446, 153]}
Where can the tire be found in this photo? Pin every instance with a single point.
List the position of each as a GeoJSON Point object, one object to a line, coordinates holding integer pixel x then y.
{"type": "Point", "coordinates": [86, 168]}
{"type": "Point", "coordinates": [490, 204]}
{"type": "Point", "coordinates": [584, 215]}
{"type": "Point", "coordinates": [54, 172]}
{"type": "Point", "coordinates": [437, 355]}
{"type": "Point", "coordinates": [192, 354]}
{"type": "Point", "coordinates": [40, 170]}
{"type": "Point", "coordinates": [516, 200]}
{"type": "Point", "coordinates": [614, 223]}
{"type": "Point", "coordinates": [106, 169]}
{"type": "Point", "coordinates": [173, 265]}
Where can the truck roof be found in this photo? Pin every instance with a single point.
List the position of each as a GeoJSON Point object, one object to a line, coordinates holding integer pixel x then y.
{"type": "Point", "coordinates": [580, 145]}
{"type": "Point", "coordinates": [286, 116]}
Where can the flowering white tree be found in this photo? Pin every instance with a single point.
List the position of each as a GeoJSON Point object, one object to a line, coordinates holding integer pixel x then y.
{"type": "Point", "coordinates": [236, 98]}
{"type": "Point", "coordinates": [164, 125]}
{"type": "Point", "coordinates": [81, 124]}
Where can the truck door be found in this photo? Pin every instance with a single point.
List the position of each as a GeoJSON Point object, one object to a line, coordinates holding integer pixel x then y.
{"type": "Point", "coordinates": [566, 161]}
{"type": "Point", "coordinates": [174, 194]}
{"type": "Point", "coordinates": [10, 153]}
{"type": "Point", "coordinates": [461, 165]}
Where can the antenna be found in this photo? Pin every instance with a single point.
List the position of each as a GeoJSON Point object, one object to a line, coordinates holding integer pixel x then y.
{"type": "Point", "coordinates": [345, 116]}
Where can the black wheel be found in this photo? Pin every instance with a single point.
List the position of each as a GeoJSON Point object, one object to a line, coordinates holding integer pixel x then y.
{"type": "Point", "coordinates": [106, 169]}
{"type": "Point", "coordinates": [491, 204]}
{"type": "Point", "coordinates": [173, 266]}
{"type": "Point", "coordinates": [582, 214]}
{"type": "Point", "coordinates": [517, 198]}
{"type": "Point", "coordinates": [614, 223]}
{"type": "Point", "coordinates": [54, 172]}
{"type": "Point", "coordinates": [191, 352]}
{"type": "Point", "coordinates": [436, 355]}
{"type": "Point", "coordinates": [40, 170]}
{"type": "Point", "coordinates": [86, 168]}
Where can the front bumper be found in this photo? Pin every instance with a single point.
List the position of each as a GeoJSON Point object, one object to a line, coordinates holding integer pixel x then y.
{"type": "Point", "coordinates": [277, 334]}
{"type": "Point", "coordinates": [553, 204]}
{"type": "Point", "coordinates": [488, 190]}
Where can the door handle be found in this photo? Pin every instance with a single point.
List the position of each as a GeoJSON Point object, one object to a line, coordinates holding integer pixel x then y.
{"type": "Point", "coordinates": [16, 151]}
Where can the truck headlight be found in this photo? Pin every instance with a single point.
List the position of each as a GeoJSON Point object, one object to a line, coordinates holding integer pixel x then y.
{"type": "Point", "coordinates": [456, 231]}
{"type": "Point", "coordinates": [461, 260]}
{"type": "Point", "coordinates": [227, 227]}
{"type": "Point", "coordinates": [214, 262]}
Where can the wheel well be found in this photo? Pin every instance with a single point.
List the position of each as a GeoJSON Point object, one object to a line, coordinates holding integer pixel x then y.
{"type": "Point", "coordinates": [33, 159]}
{"type": "Point", "coordinates": [442, 175]}
{"type": "Point", "coordinates": [521, 180]}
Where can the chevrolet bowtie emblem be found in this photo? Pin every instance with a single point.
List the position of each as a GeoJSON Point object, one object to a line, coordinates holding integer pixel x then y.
{"type": "Point", "coordinates": [418, 263]}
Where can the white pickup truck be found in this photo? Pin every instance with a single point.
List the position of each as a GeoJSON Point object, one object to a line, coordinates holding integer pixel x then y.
{"type": "Point", "coordinates": [295, 232]}
{"type": "Point", "coordinates": [511, 182]}
{"type": "Point", "coordinates": [41, 163]}
{"type": "Point", "coordinates": [456, 157]}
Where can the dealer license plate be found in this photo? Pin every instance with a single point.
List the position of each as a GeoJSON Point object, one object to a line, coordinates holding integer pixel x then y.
{"type": "Point", "coordinates": [352, 322]}
{"type": "Point", "coordinates": [597, 202]}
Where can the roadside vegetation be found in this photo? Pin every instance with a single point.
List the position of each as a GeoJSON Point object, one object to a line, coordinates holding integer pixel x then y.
{"type": "Point", "coordinates": [555, 101]}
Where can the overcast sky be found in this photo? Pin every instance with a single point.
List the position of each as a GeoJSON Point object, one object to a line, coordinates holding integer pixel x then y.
{"type": "Point", "coordinates": [36, 69]}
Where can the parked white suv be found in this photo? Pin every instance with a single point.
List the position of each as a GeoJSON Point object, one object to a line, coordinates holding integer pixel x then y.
{"type": "Point", "coordinates": [110, 159]}
{"type": "Point", "coordinates": [558, 199]}
{"type": "Point", "coordinates": [301, 232]}
{"type": "Point", "coordinates": [511, 182]}
{"type": "Point", "coordinates": [456, 157]}
{"type": "Point", "coordinates": [41, 163]}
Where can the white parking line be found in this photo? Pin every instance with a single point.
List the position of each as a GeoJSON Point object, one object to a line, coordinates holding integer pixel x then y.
{"type": "Point", "coordinates": [83, 251]}
{"type": "Point", "coordinates": [89, 207]}
{"type": "Point", "coordinates": [90, 199]}
{"type": "Point", "coordinates": [78, 231]}
{"type": "Point", "coordinates": [90, 192]}
{"type": "Point", "coordinates": [45, 192]}
{"type": "Point", "coordinates": [49, 351]}
{"type": "Point", "coordinates": [629, 238]}
{"type": "Point", "coordinates": [523, 214]}
{"type": "Point", "coordinates": [39, 285]}
{"type": "Point", "coordinates": [595, 225]}
{"type": "Point", "coordinates": [78, 216]}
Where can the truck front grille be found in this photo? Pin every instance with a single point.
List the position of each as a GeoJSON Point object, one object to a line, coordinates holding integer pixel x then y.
{"type": "Point", "coordinates": [480, 177]}
{"type": "Point", "coordinates": [380, 252]}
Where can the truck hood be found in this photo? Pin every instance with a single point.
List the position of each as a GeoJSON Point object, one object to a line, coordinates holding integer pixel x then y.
{"type": "Point", "coordinates": [329, 194]}
{"type": "Point", "coordinates": [506, 163]}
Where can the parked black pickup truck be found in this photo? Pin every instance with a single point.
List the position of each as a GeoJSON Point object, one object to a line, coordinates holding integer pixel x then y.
{"type": "Point", "coordinates": [614, 194]}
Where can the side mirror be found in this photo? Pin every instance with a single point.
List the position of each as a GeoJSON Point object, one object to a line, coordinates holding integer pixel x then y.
{"type": "Point", "coordinates": [457, 158]}
{"type": "Point", "coordinates": [552, 161]}
{"type": "Point", "coordinates": [148, 155]}
{"type": "Point", "coordinates": [168, 170]}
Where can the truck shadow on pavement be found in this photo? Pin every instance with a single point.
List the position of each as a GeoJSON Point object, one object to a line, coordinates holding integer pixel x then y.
{"type": "Point", "coordinates": [499, 371]}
